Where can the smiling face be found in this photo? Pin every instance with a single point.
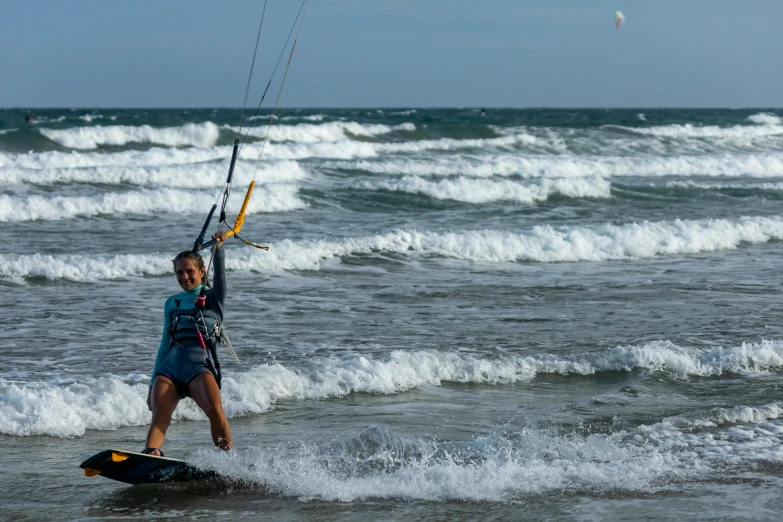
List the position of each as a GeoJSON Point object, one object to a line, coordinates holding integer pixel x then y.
{"type": "Point", "coordinates": [188, 273]}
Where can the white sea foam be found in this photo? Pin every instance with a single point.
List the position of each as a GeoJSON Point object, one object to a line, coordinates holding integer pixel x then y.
{"type": "Point", "coordinates": [448, 144]}
{"type": "Point", "coordinates": [349, 149]}
{"type": "Point", "coordinates": [209, 175]}
{"type": "Point", "coordinates": [16, 267]}
{"type": "Point", "coordinates": [82, 268]}
{"type": "Point", "coordinates": [506, 465]}
{"type": "Point", "coordinates": [543, 244]}
{"type": "Point", "coordinates": [682, 362]}
{"type": "Point", "coordinates": [641, 117]}
{"type": "Point", "coordinates": [765, 118]}
{"type": "Point", "coordinates": [272, 198]}
{"type": "Point", "coordinates": [687, 130]}
{"type": "Point", "coordinates": [151, 157]}
{"type": "Point", "coordinates": [500, 467]}
{"type": "Point", "coordinates": [311, 117]}
{"type": "Point", "coordinates": [191, 134]}
{"type": "Point", "coordinates": [663, 141]}
{"type": "Point", "coordinates": [326, 132]}
{"type": "Point", "coordinates": [770, 186]}
{"type": "Point", "coordinates": [68, 410]}
{"type": "Point", "coordinates": [44, 119]}
{"type": "Point", "coordinates": [724, 165]}
{"type": "Point", "coordinates": [472, 190]}
{"type": "Point", "coordinates": [723, 416]}
{"type": "Point", "coordinates": [345, 149]}
{"type": "Point", "coordinates": [342, 149]}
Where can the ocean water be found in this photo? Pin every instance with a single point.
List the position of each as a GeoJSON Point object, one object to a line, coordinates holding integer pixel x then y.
{"type": "Point", "coordinates": [543, 314]}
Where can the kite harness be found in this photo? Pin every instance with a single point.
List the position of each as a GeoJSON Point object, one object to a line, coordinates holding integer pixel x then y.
{"type": "Point", "coordinates": [202, 325]}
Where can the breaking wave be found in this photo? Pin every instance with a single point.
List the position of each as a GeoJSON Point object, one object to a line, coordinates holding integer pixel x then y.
{"type": "Point", "coordinates": [195, 176]}
{"type": "Point", "coordinates": [69, 409]}
{"type": "Point", "coordinates": [188, 135]}
{"type": "Point", "coordinates": [544, 244]}
{"type": "Point", "coordinates": [472, 190]}
{"type": "Point", "coordinates": [272, 198]}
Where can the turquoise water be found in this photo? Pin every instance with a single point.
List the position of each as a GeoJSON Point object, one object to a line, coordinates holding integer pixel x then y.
{"type": "Point", "coordinates": [564, 314]}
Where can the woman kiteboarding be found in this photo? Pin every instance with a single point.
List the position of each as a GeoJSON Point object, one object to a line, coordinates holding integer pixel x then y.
{"type": "Point", "coordinates": [186, 364]}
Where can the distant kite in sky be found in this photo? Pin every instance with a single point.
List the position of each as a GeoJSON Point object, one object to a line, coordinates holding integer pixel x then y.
{"type": "Point", "coordinates": [619, 18]}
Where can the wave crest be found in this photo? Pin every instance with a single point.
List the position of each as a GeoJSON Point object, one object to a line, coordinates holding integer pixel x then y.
{"type": "Point", "coordinates": [111, 402]}
{"type": "Point", "coordinates": [188, 135]}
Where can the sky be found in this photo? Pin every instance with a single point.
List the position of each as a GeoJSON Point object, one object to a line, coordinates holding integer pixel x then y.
{"type": "Point", "coordinates": [393, 53]}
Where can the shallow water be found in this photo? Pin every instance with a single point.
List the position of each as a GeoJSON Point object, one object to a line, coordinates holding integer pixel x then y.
{"type": "Point", "coordinates": [564, 315]}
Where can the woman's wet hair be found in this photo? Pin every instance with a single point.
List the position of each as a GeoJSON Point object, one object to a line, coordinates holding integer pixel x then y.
{"type": "Point", "coordinates": [189, 254]}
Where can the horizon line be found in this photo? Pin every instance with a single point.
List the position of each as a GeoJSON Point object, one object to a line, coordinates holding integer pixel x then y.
{"type": "Point", "coordinates": [400, 107]}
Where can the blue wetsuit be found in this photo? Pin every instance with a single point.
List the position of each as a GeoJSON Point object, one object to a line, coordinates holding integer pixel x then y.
{"type": "Point", "coordinates": [183, 362]}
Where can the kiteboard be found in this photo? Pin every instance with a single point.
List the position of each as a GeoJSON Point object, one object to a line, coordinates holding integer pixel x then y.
{"type": "Point", "coordinates": [139, 468]}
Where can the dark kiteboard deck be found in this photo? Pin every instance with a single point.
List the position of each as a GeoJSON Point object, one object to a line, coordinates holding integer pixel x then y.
{"type": "Point", "coordinates": [139, 468]}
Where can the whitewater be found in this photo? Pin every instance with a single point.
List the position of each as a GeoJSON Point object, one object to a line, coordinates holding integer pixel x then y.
{"type": "Point", "coordinates": [555, 313]}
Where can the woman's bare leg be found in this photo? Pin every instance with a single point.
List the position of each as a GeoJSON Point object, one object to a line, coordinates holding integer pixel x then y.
{"type": "Point", "coordinates": [163, 400]}
{"type": "Point", "coordinates": [204, 390]}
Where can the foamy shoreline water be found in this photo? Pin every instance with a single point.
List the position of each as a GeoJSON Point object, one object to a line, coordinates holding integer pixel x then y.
{"type": "Point", "coordinates": [533, 311]}
{"type": "Point", "coordinates": [111, 402]}
{"type": "Point", "coordinates": [544, 244]}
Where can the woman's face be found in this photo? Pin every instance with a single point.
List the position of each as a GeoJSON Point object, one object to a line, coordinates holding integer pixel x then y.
{"type": "Point", "coordinates": [189, 275]}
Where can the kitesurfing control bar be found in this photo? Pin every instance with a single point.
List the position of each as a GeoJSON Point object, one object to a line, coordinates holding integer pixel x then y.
{"type": "Point", "coordinates": [229, 179]}
{"type": "Point", "coordinates": [199, 244]}
{"type": "Point", "coordinates": [237, 224]}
